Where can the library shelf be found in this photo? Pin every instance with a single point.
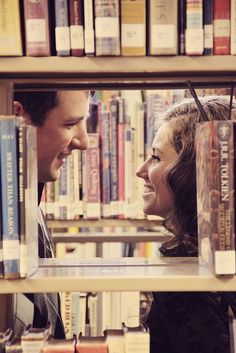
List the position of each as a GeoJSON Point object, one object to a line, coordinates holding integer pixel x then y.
{"type": "Point", "coordinates": [112, 72]}
{"type": "Point", "coordinates": [126, 274]}
{"type": "Point", "coordinates": [58, 224]}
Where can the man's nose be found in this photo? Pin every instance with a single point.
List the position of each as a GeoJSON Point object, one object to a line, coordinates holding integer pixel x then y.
{"type": "Point", "coordinates": [80, 140]}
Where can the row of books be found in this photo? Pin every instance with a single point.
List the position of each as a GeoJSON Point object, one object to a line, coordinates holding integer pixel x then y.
{"type": "Point", "coordinates": [124, 340]}
{"type": "Point", "coordinates": [18, 216]}
{"type": "Point", "coordinates": [114, 28]}
{"type": "Point", "coordinates": [94, 312]}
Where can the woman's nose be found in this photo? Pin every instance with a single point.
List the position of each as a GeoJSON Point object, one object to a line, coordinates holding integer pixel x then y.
{"type": "Point", "coordinates": [141, 172]}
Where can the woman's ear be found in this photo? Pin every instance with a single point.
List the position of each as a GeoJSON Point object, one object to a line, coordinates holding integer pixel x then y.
{"type": "Point", "coordinates": [18, 110]}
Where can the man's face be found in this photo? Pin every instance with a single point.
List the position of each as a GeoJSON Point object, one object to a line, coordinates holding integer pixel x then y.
{"type": "Point", "coordinates": [64, 130]}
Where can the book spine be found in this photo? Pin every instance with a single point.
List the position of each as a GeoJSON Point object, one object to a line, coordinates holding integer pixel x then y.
{"type": "Point", "coordinates": [221, 23]}
{"type": "Point", "coordinates": [105, 163]}
{"type": "Point", "coordinates": [233, 27]}
{"type": "Point", "coordinates": [63, 192]}
{"type": "Point", "coordinates": [215, 195]}
{"type": "Point", "coordinates": [9, 184]}
{"type": "Point", "coordinates": [181, 26]}
{"type": "Point", "coordinates": [89, 36]}
{"type": "Point", "coordinates": [194, 27]}
{"type": "Point", "coordinates": [107, 27]}
{"type": "Point", "coordinates": [121, 157]}
{"type": "Point", "coordinates": [66, 312]}
{"type": "Point", "coordinates": [114, 156]}
{"type": "Point", "coordinates": [92, 163]}
{"type": "Point", "coordinates": [37, 39]}
{"type": "Point", "coordinates": [163, 28]}
{"type": "Point", "coordinates": [10, 29]}
{"type": "Point", "coordinates": [62, 29]}
{"type": "Point", "coordinates": [208, 27]}
{"type": "Point", "coordinates": [133, 27]}
{"type": "Point", "coordinates": [76, 27]}
{"type": "Point", "coordinates": [22, 185]}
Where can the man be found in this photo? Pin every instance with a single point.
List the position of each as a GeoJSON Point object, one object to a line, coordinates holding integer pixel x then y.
{"type": "Point", "coordinates": [59, 117]}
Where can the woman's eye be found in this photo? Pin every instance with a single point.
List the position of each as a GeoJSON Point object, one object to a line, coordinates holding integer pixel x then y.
{"type": "Point", "coordinates": [155, 157]}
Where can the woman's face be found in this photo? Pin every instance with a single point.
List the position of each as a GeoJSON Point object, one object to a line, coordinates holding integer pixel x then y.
{"type": "Point", "coordinates": [157, 197]}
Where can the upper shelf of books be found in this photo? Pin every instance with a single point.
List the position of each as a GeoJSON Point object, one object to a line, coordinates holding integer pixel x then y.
{"type": "Point", "coordinates": [122, 72]}
{"type": "Point", "coordinates": [125, 274]}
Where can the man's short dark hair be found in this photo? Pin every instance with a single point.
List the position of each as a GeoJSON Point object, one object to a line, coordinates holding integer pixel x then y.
{"type": "Point", "coordinates": [37, 104]}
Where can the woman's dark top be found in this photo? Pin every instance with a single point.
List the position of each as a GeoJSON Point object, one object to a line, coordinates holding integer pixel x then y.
{"type": "Point", "coordinates": [188, 322]}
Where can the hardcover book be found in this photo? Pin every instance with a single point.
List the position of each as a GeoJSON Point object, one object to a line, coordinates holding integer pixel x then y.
{"type": "Point", "coordinates": [89, 36]}
{"type": "Point", "coordinates": [133, 27]}
{"type": "Point", "coordinates": [181, 26]}
{"type": "Point", "coordinates": [215, 168]}
{"type": "Point", "coordinates": [10, 28]}
{"type": "Point", "coordinates": [221, 36]}
{"type": "Point", "coordinates": [208, 26]}
{"type": "Point", "coordinates": [37, 35]}
{"type": "Point", "coordinates": [9, 207]}
{"type": "Point", "coordinates": [194, 27]}
{"type": "Point", "coordinates": [96, 344]}
{"type": "Point", "coordinates": [62, 345]}
{"type": "Point", "coordinates": [233, 27]}
{"type": "Point", "coordinates": [62, 30]}
{"type": "Point", "coordinates": [107, 27]}
{"type": "Point", "coordinates": [163, 28]}
{"type": "Point", "coordinates": [76, 27]}
{"type": "Point", "coordinates": [91, 178]}
{"type": "Point", "coordinates": [28, 198]}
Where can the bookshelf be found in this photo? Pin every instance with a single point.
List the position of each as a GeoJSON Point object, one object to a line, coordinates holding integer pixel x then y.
{"type": "Point", "coordinates": [128, 274]}
{"type": "Point", "coordinates": [23, 73]}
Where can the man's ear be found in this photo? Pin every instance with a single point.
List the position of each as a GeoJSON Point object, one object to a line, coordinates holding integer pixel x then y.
{"type": "Point", "coordinates": [18, 110]}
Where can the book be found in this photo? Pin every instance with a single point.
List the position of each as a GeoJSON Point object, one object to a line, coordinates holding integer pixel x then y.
{"type": "Point", "coordinates": [28, 197]}
{"type": "Point", "coordinates": [5, 338]}
{"type": "Point", "coordinates": [63, 345]}
{"type": "Point", "coordinates": [121, 156]}
{"type": "Point", "coordinates": [115, 340]}
{"type": "Point", "coordinates": [76, 27]}
{"type": "Point", "coordinates": [37, 34]}
{"type": "Point", "coordinates": [194, 35]}
{"type": "Point", "coordinates": [62, 29]}
{"type": "Point", "coordinates": [208, 26]}
{"type": "Point", "coordinates": [13, 346]}
{"type": "Point", "coordinates": [137, 339]}
{"type": "Point", "coordinates": [96, 344]}
{"type": "Point", "coordinates": [91, 178]}
{"type": "Point", "coordinates": [34, 339]}
{"type": "Point", "coordinates": [10, 28]}
{"type": "Point", "coordinates": [221, 31]}
{"type": "Point", "coordinates": [66, 312]}
{"type": "Point", "coordinates": [89, 35]}
{"type": "Point", "coordinates": [163, 28]}
{"type": "Point", "coordinates": [215, 168]}
{"type": "Point", "coordinates": [9, 208]}
{"type": "Point", "coordinates": [103, 128]}
{"type": "Point", "coordinates": [181, 26]}
{"type": "Point", "coordinates": [107, 27]}
{"type": "Point", "coordinates": [113, 107]}
{"type": "Point", "coordinates": [133, 27]}
{"type": "Point", "coordinates": [233, 27]}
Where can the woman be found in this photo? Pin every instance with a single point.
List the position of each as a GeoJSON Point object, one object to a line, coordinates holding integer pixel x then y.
{"type": "Point", "coordinates": [182, 322]}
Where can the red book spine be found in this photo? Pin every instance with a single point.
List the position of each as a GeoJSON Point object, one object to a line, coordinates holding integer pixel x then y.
{"type": "Point", "coordinates": [221, 39]}
{"type": "Point", "coordinates": [76, 27]}
{"type": "Point", "coordinates": [37, 39]}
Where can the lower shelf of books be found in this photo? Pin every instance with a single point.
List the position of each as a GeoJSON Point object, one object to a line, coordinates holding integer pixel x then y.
{"type": "Point", "coordinates": [124, 274]}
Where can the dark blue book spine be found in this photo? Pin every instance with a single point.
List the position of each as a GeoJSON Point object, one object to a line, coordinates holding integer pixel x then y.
{"type": "Point", "coordinates": [10, 200]}
{"type": "Point", "coordinates": [208, 26]}
{"type": "Point", "coordinates": [62, 29]}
